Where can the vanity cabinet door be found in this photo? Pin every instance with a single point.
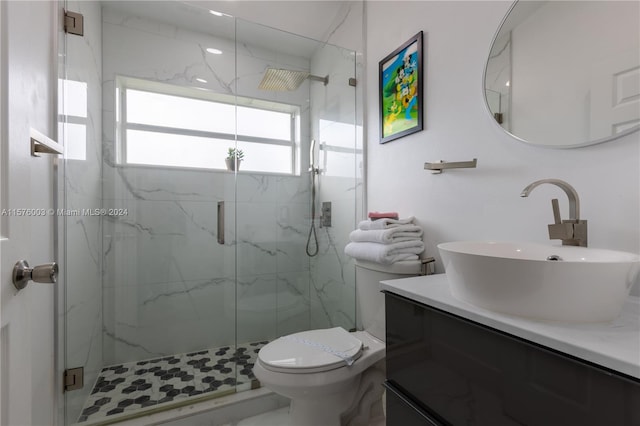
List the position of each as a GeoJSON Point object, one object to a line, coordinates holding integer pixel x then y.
{"type": "Point", "coordinates": [469, 374]}
{"type": "Point", "coordinates": [405, 412]}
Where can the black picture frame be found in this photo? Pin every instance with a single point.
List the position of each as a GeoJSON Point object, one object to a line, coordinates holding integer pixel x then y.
{"type": "Point", "coordinates": [400, 76]}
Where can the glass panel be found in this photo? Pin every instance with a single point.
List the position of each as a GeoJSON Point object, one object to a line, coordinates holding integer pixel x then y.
{"type": "Point", "coordinates": [175, 150]}
{"type": "Point", "coordinates": [272, 211]}
{"type": "Point", "coordinates": [80, 242]}
{"type": "Point", "coordinates": [164, 300]}
{"type": "Point", "coordinates": [150, 290]}
{"type": "Point", "coordinates": [75, 98]}
{"type": "Point", "coordinates": [179, 112]}
{"type": "Point", "coordinates": [75, 141]}
{"type": "Point", "coordinates": [260, 157]}
{"type": "Point", "coordinates": [295, 291]}
{"type": "Point", "coordinates": [264, 124]}
{"type": "Point", "coordinates": [168, 270]}
{"type": "Point", "coordinates": [339, 152]}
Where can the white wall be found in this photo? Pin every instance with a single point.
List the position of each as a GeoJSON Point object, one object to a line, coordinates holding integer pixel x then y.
{"type": "Point", "coordinates": [483, 203]}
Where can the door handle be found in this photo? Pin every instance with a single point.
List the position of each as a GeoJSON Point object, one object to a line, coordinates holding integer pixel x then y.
{"type": "Point", "coordinates": [45, 273]}
{"type": "Point", "coordinates": [220, 222]}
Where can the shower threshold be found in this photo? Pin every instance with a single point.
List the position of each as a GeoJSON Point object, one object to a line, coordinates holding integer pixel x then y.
{"type": "Point", "coordinates": [139, 387]}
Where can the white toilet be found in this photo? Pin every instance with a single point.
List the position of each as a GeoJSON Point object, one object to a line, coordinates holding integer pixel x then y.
{"type": "Point", "coordinates": [334, 377]}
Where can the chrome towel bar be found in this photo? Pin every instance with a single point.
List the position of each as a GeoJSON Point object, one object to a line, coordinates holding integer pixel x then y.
{"type": "Point", "coordinates": [438, 167]}
{"type": "Point", "coordinates": [41, 144]}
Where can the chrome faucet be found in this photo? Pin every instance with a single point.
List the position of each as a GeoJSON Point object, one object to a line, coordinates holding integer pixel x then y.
{"type": "Point", "coordinates": [572, 232]}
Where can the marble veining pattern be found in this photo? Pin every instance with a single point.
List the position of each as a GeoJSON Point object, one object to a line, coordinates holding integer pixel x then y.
{"type": "Point", "coordinates": [123, 389]}
{"type": "Point", "coordinates": [166, 247]}
{"type": "Point", "coordinates": [118, 306]}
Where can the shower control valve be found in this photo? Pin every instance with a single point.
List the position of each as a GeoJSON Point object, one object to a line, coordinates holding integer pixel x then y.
{"type": "Point", "coordinates": [325, 215]}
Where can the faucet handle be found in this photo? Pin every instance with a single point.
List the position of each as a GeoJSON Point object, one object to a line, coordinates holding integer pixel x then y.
{"type": "Point", "coordinates": [559, 230]}
{"type": "Point", "coordinates": [556, 211]}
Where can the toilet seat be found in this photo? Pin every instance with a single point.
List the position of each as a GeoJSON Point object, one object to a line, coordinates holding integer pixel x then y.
{"type": "Point", "coordinates": [311, 351]}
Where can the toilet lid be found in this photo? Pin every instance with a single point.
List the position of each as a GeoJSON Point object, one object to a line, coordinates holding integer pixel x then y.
{"type": "Point", "coordinates": [311, 351]}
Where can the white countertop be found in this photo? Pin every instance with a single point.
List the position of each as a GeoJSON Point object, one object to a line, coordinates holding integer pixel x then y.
{"type": "Point", "coordinates": [615, 345]}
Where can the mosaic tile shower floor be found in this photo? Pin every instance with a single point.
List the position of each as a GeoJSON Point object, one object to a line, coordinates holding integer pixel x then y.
{"type": "Point", "coordinates": [125, 388]}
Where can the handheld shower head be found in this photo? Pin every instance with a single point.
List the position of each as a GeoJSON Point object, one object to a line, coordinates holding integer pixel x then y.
{"type": "Point", "coordinates": [312, 157]}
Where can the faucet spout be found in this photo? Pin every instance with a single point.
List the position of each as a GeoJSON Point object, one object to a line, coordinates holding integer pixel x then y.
{"type": "Point", "coordinates": [572, 194]}
{"type": "Point", "coordinates": [572, 232]}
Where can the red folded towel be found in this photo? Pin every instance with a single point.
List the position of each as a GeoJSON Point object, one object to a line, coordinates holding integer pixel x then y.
{"type": "Point", "coordinates": [387, 215]}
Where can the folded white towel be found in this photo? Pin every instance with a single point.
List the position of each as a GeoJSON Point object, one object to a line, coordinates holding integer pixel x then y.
{"type": "Point", "coordinates": [387, 236]}
{"type": "Point", "coordinates": [384, 223]}
{"type": "Point", "coordinates": [385, 254]}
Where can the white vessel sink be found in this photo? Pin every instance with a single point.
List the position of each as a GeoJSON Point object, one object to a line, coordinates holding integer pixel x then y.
{"type": "Point", "coordinates": [586, 285]}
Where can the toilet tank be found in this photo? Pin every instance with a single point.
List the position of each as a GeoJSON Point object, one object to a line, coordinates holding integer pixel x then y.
{"type": "Point", "coordinates": [369, 300]}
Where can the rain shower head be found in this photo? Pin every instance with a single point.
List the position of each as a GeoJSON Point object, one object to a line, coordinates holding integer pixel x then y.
{"type": "Point", "coordinates": [281, 80]}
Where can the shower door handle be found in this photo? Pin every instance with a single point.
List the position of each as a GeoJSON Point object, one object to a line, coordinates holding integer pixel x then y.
{"type": "Point", "coordinates": [220, 222]}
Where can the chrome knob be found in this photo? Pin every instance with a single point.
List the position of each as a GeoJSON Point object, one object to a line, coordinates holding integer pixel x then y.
{"type": "Point", "coordinates": [22, 274]}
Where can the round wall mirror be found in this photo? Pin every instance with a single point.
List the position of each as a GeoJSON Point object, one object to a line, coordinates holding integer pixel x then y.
{"type": "Point", "coordinates": [566, 74]}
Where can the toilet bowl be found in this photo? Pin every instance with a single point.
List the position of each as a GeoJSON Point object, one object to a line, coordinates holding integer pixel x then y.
{"type": "Point", "coordinates": [321, 385]}
{"type": "Point", "coordinates": [334, 377]}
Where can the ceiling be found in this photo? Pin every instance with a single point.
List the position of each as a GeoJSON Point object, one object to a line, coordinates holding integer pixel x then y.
{"type": "Point", "coordinates": [311, 19]}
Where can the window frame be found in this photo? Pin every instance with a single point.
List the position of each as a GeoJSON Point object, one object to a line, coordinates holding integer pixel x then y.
{"type": "Point", "coordinates": [123, 84]}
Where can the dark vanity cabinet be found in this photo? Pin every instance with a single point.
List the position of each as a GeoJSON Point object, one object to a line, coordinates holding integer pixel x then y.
{"type": "Point", "coordinates": [446, 370]}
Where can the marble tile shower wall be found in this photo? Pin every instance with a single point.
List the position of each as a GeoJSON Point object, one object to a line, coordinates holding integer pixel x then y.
{"type": "Point", "coordinates": [82, 190]}
{"type": "Point", "coordinates": [168, 285]}
{"type": "Point", "coordinates": [336, 126]}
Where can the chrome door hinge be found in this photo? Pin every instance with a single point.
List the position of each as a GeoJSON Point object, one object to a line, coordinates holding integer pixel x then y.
{"type": "Point", "coordinates": [73, 23]}
{"type": "Point", "coordinates": [353, 82]}
{"type": "Point", "coordinates": [73, 378]}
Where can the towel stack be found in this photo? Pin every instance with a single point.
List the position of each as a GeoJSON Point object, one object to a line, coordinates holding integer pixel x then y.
{"type": "Point", "coordinates": [386, 241]}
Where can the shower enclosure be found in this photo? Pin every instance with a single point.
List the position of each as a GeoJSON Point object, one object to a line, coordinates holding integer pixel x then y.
{"type": "Point", "coordinates": [176, 270]}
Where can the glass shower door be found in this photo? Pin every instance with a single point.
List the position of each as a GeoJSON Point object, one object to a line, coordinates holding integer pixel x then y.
{"type": "Point", "coordinates": [150, 259]}
{"type": "Point", "coordinates": [185, 269]}
{"type": "Point", "coordinates": [282, 287]}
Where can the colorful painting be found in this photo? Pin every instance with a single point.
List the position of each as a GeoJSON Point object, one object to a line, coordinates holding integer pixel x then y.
{"type": "Point", "coordinates": [401, 91]}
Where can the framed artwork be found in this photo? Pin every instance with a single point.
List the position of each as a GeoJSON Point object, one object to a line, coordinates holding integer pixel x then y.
{"type": "Point", "coordinates": [400, 88]}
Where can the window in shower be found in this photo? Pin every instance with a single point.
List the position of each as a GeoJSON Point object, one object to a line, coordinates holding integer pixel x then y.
{"type": "Point", "coordinates": [176, 126]}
